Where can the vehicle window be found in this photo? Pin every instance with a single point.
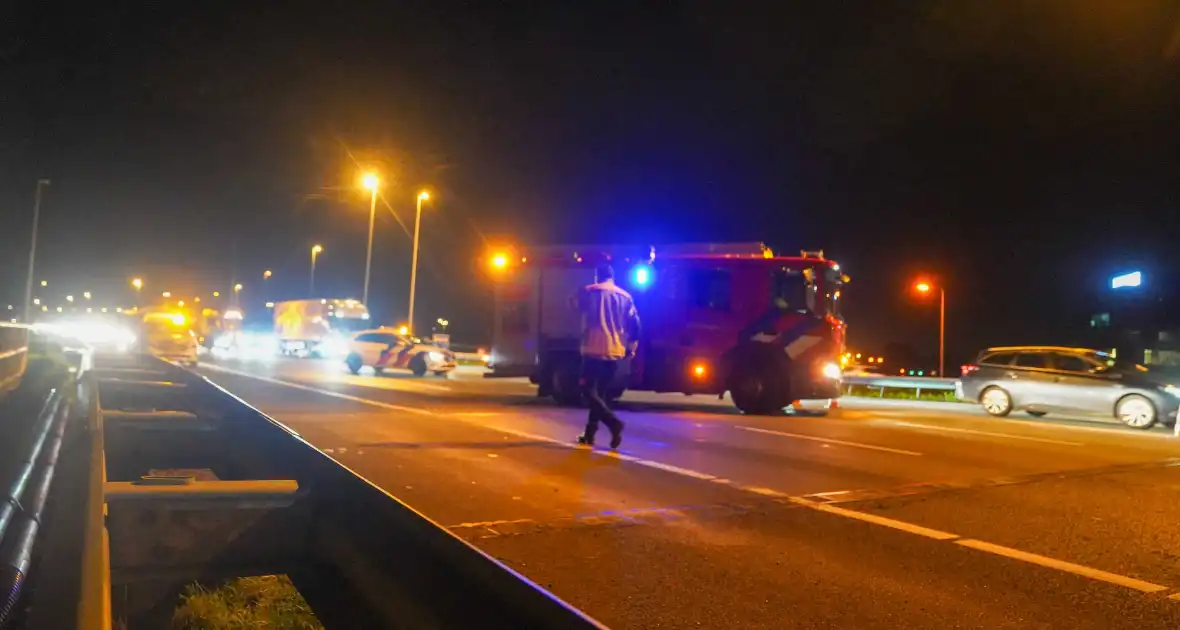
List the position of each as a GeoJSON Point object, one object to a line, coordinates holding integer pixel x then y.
{"type": "Point", "coordinates": [998, 358]}
{"type": "Point", "coordinates": [1073, 363]}
{"type": "Point", "coordinates": [711, 289]}
{"type": "Point", "coordinates": [833, 289]}
{"type": "Point", "coordinates": [794, 290]}
{"type": "Point", "coordinates": [386, 339]}
{"type": "Point", "coordinates": [367, 337]}
{"type": "Point", "coordinates": [1030, 360]}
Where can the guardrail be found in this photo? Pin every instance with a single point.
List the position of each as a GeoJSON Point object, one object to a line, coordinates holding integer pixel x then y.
{"type": "Point", "coordinates": [883, 383]}
{"type": "Point", "coordinates": [199, 487]}
{"type": "Point", "coordinates": [14, 355]}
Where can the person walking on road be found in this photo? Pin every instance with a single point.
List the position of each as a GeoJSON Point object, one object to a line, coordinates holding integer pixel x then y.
{"type": "Point", "coordinates": [610, 333]}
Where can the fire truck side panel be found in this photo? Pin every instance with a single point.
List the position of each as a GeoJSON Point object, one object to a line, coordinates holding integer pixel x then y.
{"type": "Point", "coordinates": [515, 324]}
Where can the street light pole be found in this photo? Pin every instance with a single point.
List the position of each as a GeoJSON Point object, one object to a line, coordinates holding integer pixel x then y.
{"type": "Point", "coordinates": [33, 250]}
{"type": "Point", "coordinates": [941, 330]}
{"type": "Point", "coordinates": [315, 250]}
{"type": "Point", "coordinates": [926, 288]}
{"type": "Point", "coordinates": [422, 196]}
{"type": "Point", "coordinates": [371, 182]}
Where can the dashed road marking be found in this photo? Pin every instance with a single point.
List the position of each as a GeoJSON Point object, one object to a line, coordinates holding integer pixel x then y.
{"type": "Point", "coordinates": [911, 528]}
{"type": "Point", "coordinates": [876, 520]}
{"type": "Point", "coordinates": [812, 438]}
{"type": "Point", "coordinates": [1061, 565]}
{"type": "Point", "coordinates": [1007, 436]}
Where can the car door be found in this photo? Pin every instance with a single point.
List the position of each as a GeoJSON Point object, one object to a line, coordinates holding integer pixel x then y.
{"type": "Point", "coordinates": [1030, 379]}
{"type": "Point", "coordinates": [1082, 386]}
{"type": "Point", "coordinates": [369, 346]}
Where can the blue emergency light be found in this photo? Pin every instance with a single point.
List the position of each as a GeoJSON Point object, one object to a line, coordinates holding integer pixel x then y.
{"type": "Point", "coordinates": [642, 276]}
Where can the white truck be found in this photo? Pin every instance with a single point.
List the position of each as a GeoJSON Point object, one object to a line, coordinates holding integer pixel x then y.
{"type": "Point", "coordinates": [318, 327]}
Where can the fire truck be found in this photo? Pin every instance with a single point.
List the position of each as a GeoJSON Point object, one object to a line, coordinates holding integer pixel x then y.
{"type": "Point", "coordinates": [716, 318]}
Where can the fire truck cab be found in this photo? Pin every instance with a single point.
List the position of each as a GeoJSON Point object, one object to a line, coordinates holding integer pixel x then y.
{"type": "Point", "coordinates": [716, 318]}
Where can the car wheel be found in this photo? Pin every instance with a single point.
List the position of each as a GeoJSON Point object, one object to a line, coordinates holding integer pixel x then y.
{"type": "Point", "coordinates": [1035, 414]}
{"type": "Point", "coordinates": [996, 401]}
{"type": "Point", "coordinates": [442, 373]}
{"type": "Point", "coordinates": [418, 365]}
{"type": "Point", "coordinates": [1136, 411]}
{"type": "Point", "coordinates": [354, 363]}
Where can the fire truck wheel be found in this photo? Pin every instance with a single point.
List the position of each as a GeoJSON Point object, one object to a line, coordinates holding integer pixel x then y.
{"type": "Point", "coordinates": [750, 394]}
{"type": "Point", "coordinates": [418, 365]}
{"type": "Point", "coordinates": [563, 385]}
{"type": "Point", "coordinates": [354, 363]}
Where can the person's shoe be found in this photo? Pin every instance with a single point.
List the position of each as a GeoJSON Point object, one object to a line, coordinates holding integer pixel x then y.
{"type": "Point", "coordinates": [585, 441]}
{"type": "Point", "coordinates": [616, 438]}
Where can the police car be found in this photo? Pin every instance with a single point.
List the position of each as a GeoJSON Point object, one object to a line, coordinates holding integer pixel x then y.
{"type": "Point", "coordinates": [384, 348]}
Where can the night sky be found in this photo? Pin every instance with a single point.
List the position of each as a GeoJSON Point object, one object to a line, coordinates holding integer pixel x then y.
{"type": "Point", "coordinates": [1020, 152]}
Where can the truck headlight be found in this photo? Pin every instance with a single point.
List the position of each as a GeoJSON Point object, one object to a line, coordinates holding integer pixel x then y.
{"type": "Point", "coordinates": [831, 370]}
{"type": "Point", "coordinates": [435, 356]}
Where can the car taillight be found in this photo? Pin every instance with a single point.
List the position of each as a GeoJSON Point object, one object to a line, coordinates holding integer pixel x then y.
{"type": "Point", "coordinates": [967, 369]}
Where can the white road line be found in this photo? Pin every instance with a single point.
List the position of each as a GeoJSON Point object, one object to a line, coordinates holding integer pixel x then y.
{"type": "Point", "coordinates": [1061, 565]}
{"type": "Point", "coordinates": [876, 520]}
{"type": "Point", "coordinates": [812, 438]}
{"type": "Point", "coordinates": [325, 392]}
{"type": "Point", "coordinates": [1007, 436]}
{"type": "Point", "coordinates": [978, 545]}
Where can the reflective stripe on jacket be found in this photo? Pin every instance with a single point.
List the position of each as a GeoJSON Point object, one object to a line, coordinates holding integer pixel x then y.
{"type": "Point", "coordinates": [609, 321]}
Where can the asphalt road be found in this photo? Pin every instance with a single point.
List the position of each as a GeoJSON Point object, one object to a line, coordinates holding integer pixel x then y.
{"type": "Point", "coordinates": [878, 515]}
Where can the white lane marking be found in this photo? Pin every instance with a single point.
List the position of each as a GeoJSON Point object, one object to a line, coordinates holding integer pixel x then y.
{"type": "Point", "coordinates": [325, 392]}
{"type": "Point", "coordinates": [1068, 567]}
{"type": "Point", "coordinates": [1007, 436]}
{"type": "Point", "coordinates": [1061, 565]}
{"type": "Point", "coordinates": [668, 467]}
{"type": "Point", "coordinates": [799, 436]}
{"type": "Point", "coordinates": [876, 520]}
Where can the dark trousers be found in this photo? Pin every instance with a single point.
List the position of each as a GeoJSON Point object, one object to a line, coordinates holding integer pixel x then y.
{"type": "Point", "coordinates": [597, 376]}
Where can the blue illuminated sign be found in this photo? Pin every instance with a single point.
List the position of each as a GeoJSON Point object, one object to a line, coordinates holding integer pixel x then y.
{"type": "Point", "coordinates": [1127, 280]}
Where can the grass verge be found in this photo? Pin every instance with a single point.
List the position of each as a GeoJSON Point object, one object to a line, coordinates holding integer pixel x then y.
{"type": "Point", "coordinates": [267, 601]}
{"type": "Point", "coordinates": [900, 393]}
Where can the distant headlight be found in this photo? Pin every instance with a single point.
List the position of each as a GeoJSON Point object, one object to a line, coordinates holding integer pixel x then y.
{"type": "Point", "coordinates": [831, 370]}
{"type": "Point", "coordinates": [436, 356]}
{"type": "Point", "coordinates": [1171, 390]}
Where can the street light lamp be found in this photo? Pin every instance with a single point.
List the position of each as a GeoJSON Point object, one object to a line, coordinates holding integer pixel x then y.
{"type": "Point", "coordinates": [422, 196]}
{"type": "Point", "coordinates": [86, 294]}
{"type": "Point", "coordinates": [924, 288]}
{"type": "Point", "coordinates": [371, 183]}
{"type": "Point", "coordinates": [315, 251]}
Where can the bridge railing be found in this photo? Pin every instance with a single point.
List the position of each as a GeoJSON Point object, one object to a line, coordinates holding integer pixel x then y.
{"type": "Point", "coordinates": [880, 385]}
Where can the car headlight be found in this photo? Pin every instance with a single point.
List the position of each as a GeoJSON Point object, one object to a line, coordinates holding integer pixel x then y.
{"type": "Point", "coordinates": [831, 370]}
{"type": "Point", "coordinates": [435, 356]}
{"type": "Point", "coordinates": [1171, 390]}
